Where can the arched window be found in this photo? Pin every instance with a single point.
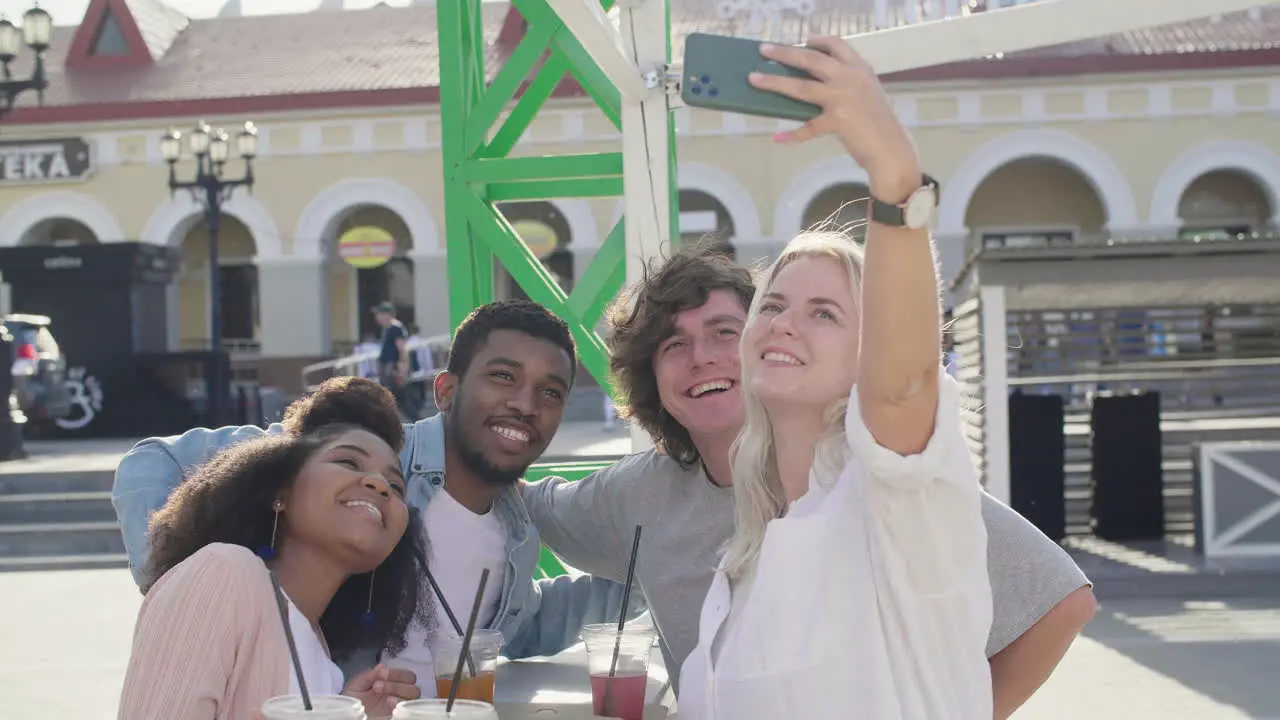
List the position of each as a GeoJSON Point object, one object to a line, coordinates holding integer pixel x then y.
{"type": "Point", "coordinates": [703, 218]}
{"type": "Point", "coordinates": [842, 205]}
{"type": "Point", "coordinates": [546, 231]}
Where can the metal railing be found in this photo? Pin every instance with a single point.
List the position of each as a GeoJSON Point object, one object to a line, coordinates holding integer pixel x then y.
{"type": "Point", "coordinates": [316, 373]}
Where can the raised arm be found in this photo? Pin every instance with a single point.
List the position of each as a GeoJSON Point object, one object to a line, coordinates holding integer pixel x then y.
{"type": "Point", "coordinates": [901, 324]}
{"type": "Point", "coordinates": [150, 472]}
{"type": "Point", "coordinates": [582, 521]}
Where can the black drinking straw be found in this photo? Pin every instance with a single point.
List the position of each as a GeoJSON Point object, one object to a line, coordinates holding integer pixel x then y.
{"type": "Point", "coordinates": [444, 605]}
{"type": "Point", "coordinates": [466, 641]}
{"type": "Point", "coordinates": [288, 636]}
{"type": "Point", "coordinates": [622, 620]}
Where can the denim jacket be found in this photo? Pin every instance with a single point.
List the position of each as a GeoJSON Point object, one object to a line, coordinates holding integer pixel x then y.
{"type": "Point", "coordinates": [535, 618]}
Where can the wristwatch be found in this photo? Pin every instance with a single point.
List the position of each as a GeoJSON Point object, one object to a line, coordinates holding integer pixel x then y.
{"type": "Point", "coordinates": [915, 213]}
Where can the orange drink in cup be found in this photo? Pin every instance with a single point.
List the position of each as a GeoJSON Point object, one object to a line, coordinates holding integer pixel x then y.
{"type": "Point", "coordinates": [477, 685]}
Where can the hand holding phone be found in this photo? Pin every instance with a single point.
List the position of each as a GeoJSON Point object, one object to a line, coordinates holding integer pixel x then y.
{"type": "Point", "coordinates": [715, 75]}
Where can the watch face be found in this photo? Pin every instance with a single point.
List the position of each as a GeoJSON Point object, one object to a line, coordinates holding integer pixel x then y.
{"type": "Point", "coordinates": [920, 207]}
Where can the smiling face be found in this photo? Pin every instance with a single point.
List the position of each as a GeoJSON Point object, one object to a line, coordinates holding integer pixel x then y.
{"type": "Point", "coordinates": [698, 368]}
{"type": "Point", "coordinates": [801, 345]}
{"type": "Point", "coordinates": [348, 500]}
{"type": "Point", "coordinates": [506, 408]}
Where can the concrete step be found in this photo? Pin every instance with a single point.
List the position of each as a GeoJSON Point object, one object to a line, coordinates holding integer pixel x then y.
{"type": "Point", "coordinates": [23, 483]}
{"type": "Point", "coordinates": [64, 562]}
{"type": "Point", "coordinates": [57, 507]}
{"type": "Point", "coordinates": [25, 540]}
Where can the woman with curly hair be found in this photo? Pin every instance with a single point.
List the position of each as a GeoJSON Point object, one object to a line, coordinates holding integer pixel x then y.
{"type": "Point", "coordinates": [325, 511]}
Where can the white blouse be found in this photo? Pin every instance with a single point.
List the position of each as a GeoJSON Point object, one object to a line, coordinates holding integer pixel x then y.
{"type": "Point", "coordinates": [870, 599]}
{"type": "Point", "coordinates": [323, 676]}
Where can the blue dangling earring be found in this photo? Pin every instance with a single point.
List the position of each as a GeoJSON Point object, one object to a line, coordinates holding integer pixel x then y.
{"type": "Point", "coordinates": [368, 619]}
{"type": "Point", "coordinates": [268, 552]}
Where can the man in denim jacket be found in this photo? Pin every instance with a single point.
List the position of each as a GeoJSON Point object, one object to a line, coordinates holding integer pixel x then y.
{"type": "Point", "coordinates": [501, 397]}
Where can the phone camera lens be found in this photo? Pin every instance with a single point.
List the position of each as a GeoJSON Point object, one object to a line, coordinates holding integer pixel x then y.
{"type": "Point", "coordinates": [705, 79]}
{"type": "Point", "coordinates": [713, 92]}
{"type": "Point", "coordinates": [696, 90]}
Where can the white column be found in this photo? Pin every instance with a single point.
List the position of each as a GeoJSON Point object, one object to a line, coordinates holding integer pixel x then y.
{"type": "Point", "coordinates": [995, 390]}
{"type": "Point", "coordinates": [6, 297]}
{"type": "Point", "coordinates": [293, 293]}
{"type": "Point", "coordinates": [173, 313]}
{"type": "Point", "coordinates": [882, 14]}
{"type": "Point", "coordinates": [582, 257]}
{"type": "Point", "coordinates": [431, 293]}
{"type": "Point", "coordinates": [645, 170]}
{"type": "Point", "coordinates": [952, 248]}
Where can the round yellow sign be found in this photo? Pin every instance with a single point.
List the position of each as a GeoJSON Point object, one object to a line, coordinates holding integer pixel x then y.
{"type": "Point", "coordinates": [539, 236]}
{"type": "Point", "coordinates": [366, 247]}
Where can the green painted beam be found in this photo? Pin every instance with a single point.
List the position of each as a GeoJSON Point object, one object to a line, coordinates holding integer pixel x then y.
{"type": "Point", "coordinates": [478, 172]}
{"type": "Point", "coordinates": [546, 167]}
{"type": "Point", "coordinates": [500, 192]}
{"type": "Point", "coordinates": [602, 280]}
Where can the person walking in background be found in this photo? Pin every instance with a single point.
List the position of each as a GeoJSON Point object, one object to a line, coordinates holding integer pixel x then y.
{"type": "Point", "coordinates": [393, 356]}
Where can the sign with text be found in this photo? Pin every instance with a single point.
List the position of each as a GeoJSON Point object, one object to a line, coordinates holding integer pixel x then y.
{"type": "Point", "coordinates": [52, 160]}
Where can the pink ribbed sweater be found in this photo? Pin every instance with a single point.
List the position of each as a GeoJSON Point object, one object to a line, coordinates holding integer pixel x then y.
{"type": "Point", "coordinates": [208, 644]}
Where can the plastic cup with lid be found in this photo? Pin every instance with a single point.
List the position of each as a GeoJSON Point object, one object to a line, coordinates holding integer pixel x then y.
{"type": "Point", "coordinates": [323, 707]}
{"type": "Point", "coordinates": [435, 709]}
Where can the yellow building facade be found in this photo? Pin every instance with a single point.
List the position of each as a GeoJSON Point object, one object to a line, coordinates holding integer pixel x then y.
{"type": "Point", "coordinates": [1021, 160]}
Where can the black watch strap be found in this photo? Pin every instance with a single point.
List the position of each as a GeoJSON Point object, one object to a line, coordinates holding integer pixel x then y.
{"type": "Point", "coordinates": [896, 215]}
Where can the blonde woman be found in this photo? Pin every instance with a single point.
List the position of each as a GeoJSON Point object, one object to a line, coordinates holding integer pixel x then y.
{"type": "Point", "coordinates": [855, 585]}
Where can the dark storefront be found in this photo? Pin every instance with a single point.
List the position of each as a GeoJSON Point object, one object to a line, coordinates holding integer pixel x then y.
{"type": "Point", "coordinates": [108, 307]}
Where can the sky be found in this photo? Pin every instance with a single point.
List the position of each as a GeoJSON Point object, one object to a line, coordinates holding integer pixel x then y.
{"type": "Point", "coordinates": [69, 12]}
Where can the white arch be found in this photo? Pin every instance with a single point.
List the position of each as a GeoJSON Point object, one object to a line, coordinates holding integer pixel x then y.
{"type": "Point", "coordinates": [788, 217]}
{"type": "Point", "coordinates": [171, 220]}
{"type": "Point", "coordinates": [726, 189]}
{"type": "Point", "coordinates": [1109, 183]}
{"type": "Point", "coordinates": [1259, 162]}
{"type": "Point", "coordinates": [29, 212]}
{"type": "Point", "coordinates": [322, 214]}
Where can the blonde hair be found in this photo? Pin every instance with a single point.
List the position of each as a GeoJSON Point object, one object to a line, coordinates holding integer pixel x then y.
{"type": "Point", "coordinates": [757, 488]}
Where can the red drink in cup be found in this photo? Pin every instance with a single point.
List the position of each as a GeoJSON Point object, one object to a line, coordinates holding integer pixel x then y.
{"type": "Point", "coordinates": [619, 666]}
{"type": "Point", "coordinates": [625, 695]}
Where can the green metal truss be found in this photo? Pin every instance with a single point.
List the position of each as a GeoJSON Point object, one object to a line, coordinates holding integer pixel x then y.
{"type": "Point", "coordinates": [478, 173]}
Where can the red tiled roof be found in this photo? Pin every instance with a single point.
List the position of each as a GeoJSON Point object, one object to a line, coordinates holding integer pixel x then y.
{"type": "Point", "coordinates": [159, 24]}
{"type": "Point", "coordinates": [382, 48]}
{"type": "Point", "coordinates": [387, 55]}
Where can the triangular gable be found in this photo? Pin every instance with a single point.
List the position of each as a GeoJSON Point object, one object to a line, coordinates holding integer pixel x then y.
{"type": "Point", "coordinates": [110, 34]}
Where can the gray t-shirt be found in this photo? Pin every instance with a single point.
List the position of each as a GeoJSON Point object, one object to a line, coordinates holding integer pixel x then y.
{"type": "Point", "coordinates": [688, 520]}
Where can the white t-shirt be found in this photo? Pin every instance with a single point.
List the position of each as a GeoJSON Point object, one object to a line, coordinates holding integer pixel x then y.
{"type": "Point", "coordinates": [462, 544]}
{"type": "Point", "coordinates": [871, 594]}
{"type": "Point", "coordinates": [323, 676]}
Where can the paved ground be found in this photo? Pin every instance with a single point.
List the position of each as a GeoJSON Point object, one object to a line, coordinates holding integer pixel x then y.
{"type": "Point", "coordinates": [64, 644]}
{"type": "Point", "coordinates": [1177, 638]}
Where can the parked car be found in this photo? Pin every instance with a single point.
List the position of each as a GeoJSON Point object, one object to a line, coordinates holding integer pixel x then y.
{"type": "Point", "coordinates": [39, 371]}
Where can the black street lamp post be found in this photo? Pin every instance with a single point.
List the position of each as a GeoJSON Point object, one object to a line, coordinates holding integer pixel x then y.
{"type": "Point", "coordinates": [37, 27]}
{"type": "Point", "coordinates": [211, 150]}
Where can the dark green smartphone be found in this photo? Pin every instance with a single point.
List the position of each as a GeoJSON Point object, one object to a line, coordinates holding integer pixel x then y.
{"type": "Point", "coordinates": [715, 77]}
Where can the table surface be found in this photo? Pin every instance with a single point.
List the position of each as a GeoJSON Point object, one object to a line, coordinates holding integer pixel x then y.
{"type": "Point", "coordinates": [565, 711]}
{"type": "Point", "coordinates": [560, 687]}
